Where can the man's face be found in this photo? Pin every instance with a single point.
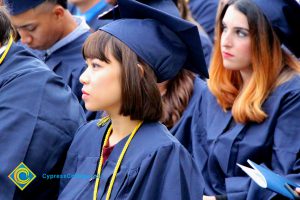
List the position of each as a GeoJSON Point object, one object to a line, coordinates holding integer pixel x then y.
{"type": "Point", "coordinates": [37, 28]}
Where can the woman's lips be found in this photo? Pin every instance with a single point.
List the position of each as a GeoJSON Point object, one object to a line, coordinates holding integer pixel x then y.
{"type": "Point", "coordinates": [227, 55]}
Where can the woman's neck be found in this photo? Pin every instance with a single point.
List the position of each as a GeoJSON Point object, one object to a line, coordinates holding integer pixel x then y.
{"type": "Point", "coordinates": [246, 75]}
{"type": "Point", "coordinates": [121, 127]}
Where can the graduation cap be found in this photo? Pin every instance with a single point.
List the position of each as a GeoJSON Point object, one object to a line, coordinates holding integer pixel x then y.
{"type": "Point", "coordinates": [16, 7]}
{"type": "Point", "coordinates": [157, 34]}
{"type": "Point", "coordinates": [284, 16]}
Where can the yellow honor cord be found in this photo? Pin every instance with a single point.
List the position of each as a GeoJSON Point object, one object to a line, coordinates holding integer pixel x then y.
{"type": "Point", "coordinates": [117, 165]}
{"type": "Point", "coordinates": [100, 164]}
{"type": "Point", "coordinates": [7, 49]}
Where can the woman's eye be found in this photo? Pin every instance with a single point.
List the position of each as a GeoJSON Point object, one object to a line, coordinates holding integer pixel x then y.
{"type": "Point", "coordinates": [241, 33]}
{"type": "Point", "coordinates": [94, 65]}
{"type": "Point", "coordinates": [224, 28]}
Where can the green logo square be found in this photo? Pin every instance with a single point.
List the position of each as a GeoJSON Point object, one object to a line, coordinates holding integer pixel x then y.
{"type": "Point", "coordinates": [22, 176]}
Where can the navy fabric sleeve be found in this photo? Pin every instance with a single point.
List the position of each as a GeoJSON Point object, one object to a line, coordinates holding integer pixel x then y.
{"type": "Point", "coordinates": [70, 165]}
{"type": "Point", "coordinates": [39, 116]}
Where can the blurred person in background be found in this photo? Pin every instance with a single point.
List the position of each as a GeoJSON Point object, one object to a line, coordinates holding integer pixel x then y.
{"type": "Point", "coordinates": [204, 12]}
{"type": "Point", "coordinates": [49, 29]}
{"type": "Point", "coordinates": [90, 9]}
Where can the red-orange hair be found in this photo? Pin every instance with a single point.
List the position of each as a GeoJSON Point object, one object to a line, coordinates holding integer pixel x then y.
{"type": "Point", "coordinates": [269, 64]}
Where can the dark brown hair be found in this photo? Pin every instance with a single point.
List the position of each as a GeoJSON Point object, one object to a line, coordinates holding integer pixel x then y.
{"type": "Point", "coordinates": [6, 28]}
{"type": "Point", "coordinates": [177, 96]}
{"type": "Point", "coordinates": [141, 99]}
{"type": "Point", "coordinates": [180, 88]}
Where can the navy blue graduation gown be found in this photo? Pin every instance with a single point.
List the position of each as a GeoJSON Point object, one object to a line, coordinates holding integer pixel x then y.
{"type": "Point", "coordinates": [204, 12]}
{"type": "Point", "coordinates": [274, 143]}
{"type": "Point", "coordinates": [39, 116]}
{"type": "Point", "coordinates": [155, 166]}
{"type": "Point", "coordinates": [69, 63]}
{"type": "Point", "coordinates": [207, 47]}
{"type": "Point", "coordinates": [187, 128]}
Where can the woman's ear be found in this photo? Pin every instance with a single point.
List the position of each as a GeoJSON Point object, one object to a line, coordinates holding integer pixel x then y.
{"type": "Point", "coordinates": [141, 70]}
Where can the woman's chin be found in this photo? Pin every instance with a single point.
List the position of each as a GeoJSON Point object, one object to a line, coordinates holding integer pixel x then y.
{"type": "Point", "coordinates": [91, 108]}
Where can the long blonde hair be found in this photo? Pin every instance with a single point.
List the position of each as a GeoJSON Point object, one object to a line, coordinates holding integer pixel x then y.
{"type": "Point", "coordinates": [270, 64]}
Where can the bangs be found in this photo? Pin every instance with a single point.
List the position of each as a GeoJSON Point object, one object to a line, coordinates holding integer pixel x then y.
{"type": "Point", "coordinates": [97, 45]}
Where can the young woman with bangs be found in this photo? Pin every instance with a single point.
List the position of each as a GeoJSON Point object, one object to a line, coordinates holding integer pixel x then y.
{"type": "Point", "coordinates": [130, 154]}
{"type": "Point", "coordinates": [132, 101]}
{"type": "Point", "coordinates": [252, 109]}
